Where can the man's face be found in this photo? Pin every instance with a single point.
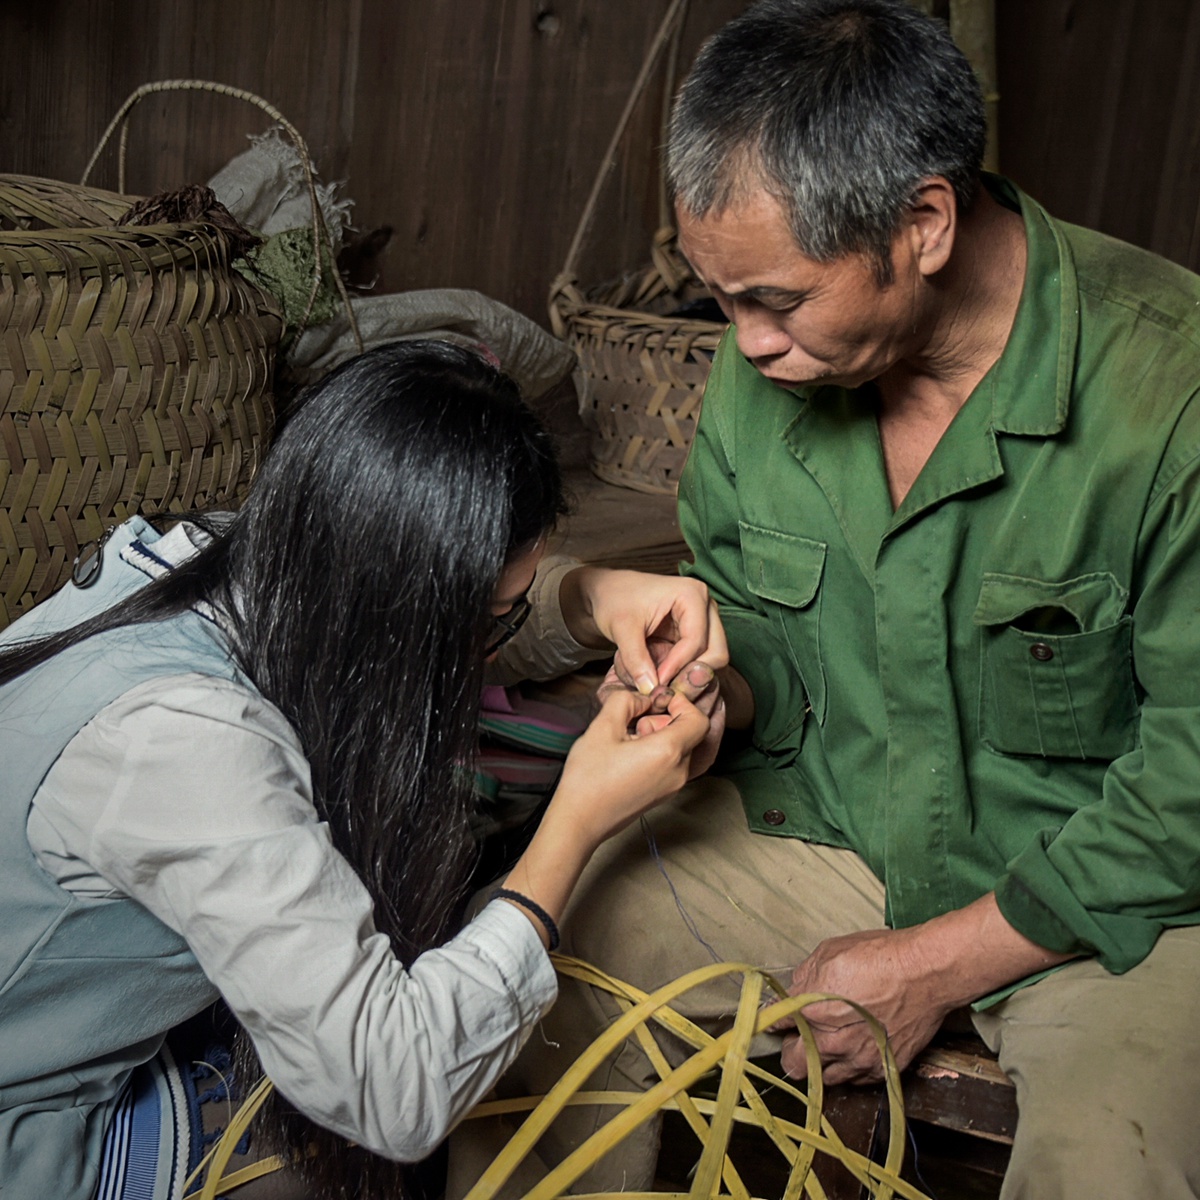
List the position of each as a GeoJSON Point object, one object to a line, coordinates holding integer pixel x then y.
{"type": "Point", "coordinates": [799, 321]}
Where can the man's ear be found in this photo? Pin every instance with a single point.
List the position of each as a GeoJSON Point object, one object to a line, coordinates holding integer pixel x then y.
{"type": "Point", "coordinates": [932, 223]}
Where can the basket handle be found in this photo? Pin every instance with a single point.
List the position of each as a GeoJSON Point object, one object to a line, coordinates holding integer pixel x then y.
{"type": "Point", "coordinates": [321, 234]}
{"type": "Point", "coordinates": [668, 31]}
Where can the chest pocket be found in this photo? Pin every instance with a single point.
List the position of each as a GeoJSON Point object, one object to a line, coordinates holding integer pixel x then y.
{"type": "Point", "coordinates": [1056, 674]}
{"type": "Point", "coordinates": [784, 571]}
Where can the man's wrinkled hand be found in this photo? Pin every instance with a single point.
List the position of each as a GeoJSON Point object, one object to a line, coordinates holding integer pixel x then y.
{"type": "Point", "coordinates": [909, 980]}
{"type": "Point", "coordinates": [888, 973]}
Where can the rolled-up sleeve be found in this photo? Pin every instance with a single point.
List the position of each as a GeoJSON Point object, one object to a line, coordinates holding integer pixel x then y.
{"type": "Point", "coordinates": [708, 517]}
{"type": "Point", "coordinates": [1123, 868]}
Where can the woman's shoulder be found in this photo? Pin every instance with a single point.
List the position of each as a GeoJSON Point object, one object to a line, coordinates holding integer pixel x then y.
{"type": "Point", "coordinates": [225, 758]}
{"type": "Point", "coordinates": [227, 701]}
{"type": "Point", "coordinates": [173, 768]}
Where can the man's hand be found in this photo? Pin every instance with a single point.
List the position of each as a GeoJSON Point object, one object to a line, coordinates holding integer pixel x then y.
{"type": "Point", "coordinates": [908, 979]}
{"type": "Point", "coordinates": [883, 970]}
{"type": "Point", "coordinates": [626, 609]}
{"type": "Point", "coordinates": [697, 683]}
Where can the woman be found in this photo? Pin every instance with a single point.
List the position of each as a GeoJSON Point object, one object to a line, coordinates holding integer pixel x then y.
{"type": "Point", "coordinates": [236, 763]}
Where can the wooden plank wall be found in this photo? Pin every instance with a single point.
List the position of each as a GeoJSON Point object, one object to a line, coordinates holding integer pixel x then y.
{"type": "Point", "coordinates": [1100, 114]}
{"type": "Point", "coordinates": [474, 127]}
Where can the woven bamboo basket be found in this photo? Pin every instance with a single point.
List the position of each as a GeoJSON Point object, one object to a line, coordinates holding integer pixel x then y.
{"type": "Point", "coordinates": [136, 367]}
{"type": "Point", "coordinates": [135, 377]}
{"type": "Point", "coordinates": [743, 1096]}
{"type": "Point", "coordinates": [641, 371]}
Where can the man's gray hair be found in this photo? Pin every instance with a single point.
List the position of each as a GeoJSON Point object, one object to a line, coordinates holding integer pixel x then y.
{"type": "Point", "coordinates": [839, 108]}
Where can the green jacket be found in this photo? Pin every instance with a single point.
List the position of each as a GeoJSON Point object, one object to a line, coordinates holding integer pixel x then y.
{"type": "Point", "coordinates": [997, 685]}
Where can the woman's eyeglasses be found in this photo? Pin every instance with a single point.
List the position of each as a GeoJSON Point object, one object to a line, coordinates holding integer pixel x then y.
{"type": "Point", "coordinates": [508, 624]}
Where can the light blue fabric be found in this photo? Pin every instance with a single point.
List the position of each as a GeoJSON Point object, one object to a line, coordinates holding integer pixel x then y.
{"type": "Point", "coordinates": [88, 988]}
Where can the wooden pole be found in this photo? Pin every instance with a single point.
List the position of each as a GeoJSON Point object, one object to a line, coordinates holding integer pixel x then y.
{"type": "Point", "coordinates": [973, 24]}
{"type": "Point", "coordinates": [973, 27]}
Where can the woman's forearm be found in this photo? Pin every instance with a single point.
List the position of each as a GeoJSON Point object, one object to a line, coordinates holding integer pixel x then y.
{"type": "Point", "coordinates": [549, 870]}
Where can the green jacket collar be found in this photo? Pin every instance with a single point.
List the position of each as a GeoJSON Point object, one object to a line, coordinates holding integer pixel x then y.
{"type": "Point", "coordinates": [1030, 384]}
{"type": "Point", "coordinates": [1026, 392]}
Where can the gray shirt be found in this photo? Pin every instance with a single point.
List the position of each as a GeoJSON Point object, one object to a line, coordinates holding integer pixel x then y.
{"type": "Point", "coordinates": [192, 796]}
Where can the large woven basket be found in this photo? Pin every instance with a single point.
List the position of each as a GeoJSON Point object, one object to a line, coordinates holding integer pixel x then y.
{"type": "Point", "coordinates": [642, 370]}
{"type": "Point", "coordinates": [135, 376]}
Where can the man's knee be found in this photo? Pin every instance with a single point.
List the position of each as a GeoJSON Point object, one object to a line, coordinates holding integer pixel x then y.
{"type": "Point", "coordinates": [1107, 1070]}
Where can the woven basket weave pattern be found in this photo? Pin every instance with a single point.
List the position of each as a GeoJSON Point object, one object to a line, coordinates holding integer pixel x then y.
{"type": "Point", "coordinates": [642, 389]}
{"type": "Point", "coordinates": [135, 376]}
{"type": "Point", "coordinates": [641, 372]}
{"type": "Point", "coordinates": [641, 369]}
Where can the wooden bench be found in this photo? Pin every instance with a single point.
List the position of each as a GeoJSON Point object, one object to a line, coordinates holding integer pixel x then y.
{"type": "Point", "coordinates": [955, 1084]}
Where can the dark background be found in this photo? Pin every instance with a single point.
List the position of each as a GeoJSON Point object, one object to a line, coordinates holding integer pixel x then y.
{"type": "Point", "coordinates": [474, 127]}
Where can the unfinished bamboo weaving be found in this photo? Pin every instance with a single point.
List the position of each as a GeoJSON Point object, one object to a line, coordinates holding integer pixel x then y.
{"type": "Point", "coordinates": [740, 1100]}
{"type": "Point", "coordinates": [135, 376]}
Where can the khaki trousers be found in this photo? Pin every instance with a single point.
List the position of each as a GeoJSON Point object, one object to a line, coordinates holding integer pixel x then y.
{"type": "Point", "coordinates": [1107, 1068]}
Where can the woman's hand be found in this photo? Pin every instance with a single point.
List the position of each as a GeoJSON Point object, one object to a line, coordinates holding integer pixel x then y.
{"type": "Point", "coordinates": [627, 608]}
{"type": "Point", "coordinates": [612, 775]}
{"type": "Point", "coordinates": [620, 767]}
{"type": "Point", "coordinates": [697, 682]}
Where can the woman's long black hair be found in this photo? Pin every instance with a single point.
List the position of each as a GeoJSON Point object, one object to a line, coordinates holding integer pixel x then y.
{"type": "Point", "coordinates": [357, 581]}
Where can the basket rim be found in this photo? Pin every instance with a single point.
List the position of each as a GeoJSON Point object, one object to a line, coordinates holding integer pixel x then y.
{"type": "Point", "coordinates": [175, 231]}
{"type": "Point", "coordinates": [88, 252]}
{"type": "Point", "coordinates": [571, 304]}
{"type": "Point", "coordinates": [635, 319]}
{"type": "Point", "coordinates": [56, 204]}
{"type": "Point", "coordinates": [8, 179]}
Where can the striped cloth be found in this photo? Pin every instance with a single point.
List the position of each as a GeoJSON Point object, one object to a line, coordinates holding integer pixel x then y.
{"type": "Point", "coordinates": [153, 1135]}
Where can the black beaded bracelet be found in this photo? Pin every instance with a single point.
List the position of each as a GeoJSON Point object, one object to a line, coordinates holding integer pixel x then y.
{"type": "Point", "coordinates": [538, 911]}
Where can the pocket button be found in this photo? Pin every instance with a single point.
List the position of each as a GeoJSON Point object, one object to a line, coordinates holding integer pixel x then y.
{"type": "Point", "coordinates": [774, 817]}
{"type": "Point", "coordinates": [1041, 651]}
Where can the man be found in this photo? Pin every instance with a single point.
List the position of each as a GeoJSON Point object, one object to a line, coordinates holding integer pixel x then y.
{"type": "Point", "coordinates": [946, 492]}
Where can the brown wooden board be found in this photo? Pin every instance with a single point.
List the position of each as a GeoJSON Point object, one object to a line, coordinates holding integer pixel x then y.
{"type": "Point", "coordinates": [473, 127]}
{"type": "Point", "coordinates": [1100, 115]}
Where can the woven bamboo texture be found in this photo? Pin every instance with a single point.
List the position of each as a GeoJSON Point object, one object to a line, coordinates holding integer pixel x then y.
{"type": "Point", "coordinates": [741, 1096]}
{"type": "Point", "coordinates": [135, 376]}
{"type": "Point", "coordinates": [641, 371]}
